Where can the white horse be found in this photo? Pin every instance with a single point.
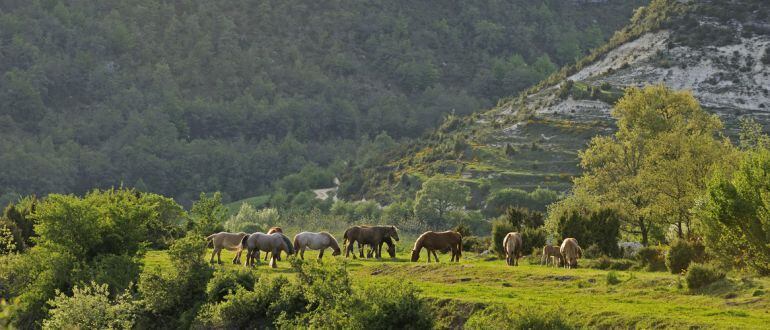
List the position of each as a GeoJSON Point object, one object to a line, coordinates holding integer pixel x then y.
{"type": "Point", "coordinates": [513, 245]}
{"type": "Point", "coordinates": [571, 251]}
{"type": "Point", "coordinates": [315, 241]}
{"type": "Point", "coordinates": [227, 241]}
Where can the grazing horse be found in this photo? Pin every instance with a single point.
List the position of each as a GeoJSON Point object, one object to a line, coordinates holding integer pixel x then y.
{"type": "Point", "coordinates": [442, 241]}
{"type": "Point", "coordinates": [371, 235]}
{"type": "Point", "coordinates": [551, 254]}
{"type": "Point", "coordinates": [391, 248]}
{"type": "Point", "coordinates": [513, 246]}
{"type": "Point", "coordinates": [315, 241]}
{"type": "Point", "coordinates": [274, 243]}
{"type": "Point", "coordinates": [273, 230]}
{"type": "Point", "coordinates": [570, 251]}
{"type": "Point", "coordinates": [228, 241]}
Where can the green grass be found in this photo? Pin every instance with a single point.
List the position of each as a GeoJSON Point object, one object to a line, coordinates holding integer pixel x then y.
{"type": "Point", "coordinates": [639, 300]}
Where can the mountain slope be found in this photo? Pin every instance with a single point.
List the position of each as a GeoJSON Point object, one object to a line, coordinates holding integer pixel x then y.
{"type": "Point", "coordinates": [718, 49]}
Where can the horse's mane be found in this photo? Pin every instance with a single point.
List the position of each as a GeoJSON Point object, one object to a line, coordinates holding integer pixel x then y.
{"type": "Point", "coordinates": [332, 240]}
{"type": "Point", "coordinates": [289, 246]}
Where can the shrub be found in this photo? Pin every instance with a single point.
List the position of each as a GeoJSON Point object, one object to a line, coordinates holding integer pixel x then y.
{"type": "Point", "coordinates": [501, 317]}
{"type": "Point", "coordinates": [700, 275]}
{"type": "Point", "coordinates": [600, 227]}
{"type": "Point", "coordinates": [533, 238]}
{"type": "Point", "coordinates": [679, 256]}
{"type": "Point", "coordinates": [390, 305]}
{"type": "Point", "coordinates": [593, 251]}
{"type": "Point", "coordinates": [226, 281]}
{"type": "Point", "coordinates": [476, 244]}
{"type": "Point", "coordinates": [612, 278]}
{"type": "Point", "coordinates": [652, 258]}
{"type": "Point", "coordinates": [605, 262]}
{"type": "Point", "coordinates": [91, 308]}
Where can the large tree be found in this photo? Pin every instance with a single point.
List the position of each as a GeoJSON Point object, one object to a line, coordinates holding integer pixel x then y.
{"type": "Point", "coordinates": [656, 163]}
{"type": "Point", "coordinates": [437, 197]}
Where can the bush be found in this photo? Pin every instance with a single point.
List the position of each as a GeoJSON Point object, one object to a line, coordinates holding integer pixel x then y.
{"type": "Point", "coordinates": [612, 278]}
{"type": "Point", "coordinates": [652, 258]}
{"type": "Point", "coordinates": [600, 227]}
{"type": "Point", "coordinates": [593, 251]}
{"type": "Point", "coordinates": [227, 281]}
{"type": "Point", "coordinates": [700, 275]}
{"type": "Point", "coordinates": [679, 256]}
{"type": "Point", "coordinates": [500, 228]}
{"type": "Point", "coordinates": [476, 244]}
{"type": "Point", "coordinates": [501, 317]}
{"type": "Point", "coordinates": [390, 305]}
{"type": "Point", "coordinates": [533, 238]}
{"type": "Point", "coordinates": [91, 308]}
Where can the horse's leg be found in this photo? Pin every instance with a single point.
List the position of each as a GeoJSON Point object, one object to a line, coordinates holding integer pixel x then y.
{"type": "Point", "coordinates": [302, 253]}
{"type": "Point", "coordinates": [361, 249]}
{"type": "Point", "coordinates": [349, 250]}
{"type": "Point", "coordinates": [377, 250]}
{"type": "Point", "coordinates": [274, 259]}
{"type": "Point", "coordinates": [434, 255]}
{"type": "Point", "coordinates": [321, 254]}
{"type": "Point", "coordinates": [212, 255]}
{"type": "Point", "coordinates": [219, 257]}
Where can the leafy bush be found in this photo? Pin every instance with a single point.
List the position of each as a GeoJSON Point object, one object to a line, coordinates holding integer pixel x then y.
{"type": "Point", "coordinates": [226, 281]}
{"type": "Point", "coordinates": [390, 305]}
{"type": "Point", "coordinates": [593, 251]}
{"type": "Point", "coordinates": [700, 275]}
{"type": "Point", "coordinates": [501, 317]}
{"type": "Point", "coordinates": [476, 244]}
{"type": "Point", "coordinates": [612, 278]}
{"type": "Point", "coordinates": [90, 307]}
{"type": "Point", "coordinates": [652, 258]}
{"type": "Point", "coordinates": [680, 254]}
{"type": "Point", "coordinates": [250, 220]}
{"type": "Point", "coordinates": [533, 239]}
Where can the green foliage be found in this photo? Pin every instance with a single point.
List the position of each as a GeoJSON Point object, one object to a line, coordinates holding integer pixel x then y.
{"type": "Point", "coordinates": [250, 220]}
{"type": "Point", "coordinates": [437, 198]}
{"type": "Point", "coordinates": [501, 317]}
{"type": "Point", "coordinates": [500, 228]}
{"type": "Point", "coordinates": [533, 238]}
{"type": "Point", "coordinates": [600, 227]}
{"type": "Point", "coordinates": [225, 282]}
{"type": "Point", "coordinates": [652, 258]}
{"type": "Point", "coordinates": [17, 218]}
{"type": "Point", "coordinates": [231, 96]}
{"type": "Point", "coordinates": [501, 200]}
{"type": "Point", "coordinates": [699, 276]}
{"type": "Point", "coordinates": [208, 215]}
{"type": "Point", "coordinates": [612, 278]}
{"type": "Point", "coordinates": [733, 213]}
{"type": "Point", "coordinates": [91, 307]}
{"type": "Point", "coordinates": [476, 244]}
{"type": "Point", "coordinates": [679, 256]}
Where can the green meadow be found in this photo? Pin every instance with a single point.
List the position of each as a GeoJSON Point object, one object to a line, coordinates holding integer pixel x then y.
{"type": "Point", "coordinates": [639, 299]}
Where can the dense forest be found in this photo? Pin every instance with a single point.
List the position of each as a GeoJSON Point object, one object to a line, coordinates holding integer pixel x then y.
{"type": "Point", "coordinates": [179, 97]}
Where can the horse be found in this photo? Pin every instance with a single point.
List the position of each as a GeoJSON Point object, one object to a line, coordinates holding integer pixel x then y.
{"type": "Point", "coordinates": [513, 246]}
{"type": "Point", "coordinates": [442, 241]}
{"type": "Point", "coordinates": [551, 253]}
{"type": "Point", "coordinates": [570, 251]}
{"type": "Point", "coordinates": [371, 235]}
{"type": "Point", "coordinates": [391, 248]}
{"type": "Point", "coordinates": [274, 243]}
{"type": "Point", "coordinates": [315, 241]}
{"type": "Point", "coordinates": [228, 241]}
{"type": "Point", "coordinates": [273, 230]}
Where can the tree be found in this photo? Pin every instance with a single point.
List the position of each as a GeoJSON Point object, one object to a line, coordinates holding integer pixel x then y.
{"type": "Point", "coordinates": [437, 197]}
{"type": "Point", "coordinates": [208, 215]}
{"type": "Point", "coordinates": [734, 212]}
{"type": "Point", "coordinates": [91, 307]}
{"type": "Point", "coordinates": [660, 132]}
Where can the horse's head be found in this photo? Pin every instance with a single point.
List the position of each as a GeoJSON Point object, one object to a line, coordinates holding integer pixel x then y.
{"type": "Point", "coordinates": [393, 232]}
{"type": "Point", "coordinates": [415, 255]}
{"type": "Point", "coordinates": [392, 250]}
{"type": "Point", "coordinates": [336, 250]}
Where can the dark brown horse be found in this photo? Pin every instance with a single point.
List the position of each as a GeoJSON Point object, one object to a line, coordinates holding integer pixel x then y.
{"type": "Point", "coordinates": [273, 230]}
{"type": "Point", "coordinates": [391, 248]}
{"type": "Point", "coordinates": [371, 235]}
{"type": "Point", "coordinates": [442, 241]}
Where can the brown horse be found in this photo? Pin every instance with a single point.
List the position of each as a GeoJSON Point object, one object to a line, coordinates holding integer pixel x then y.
{"type": "Point", "coordinates": [551, 254]}
{"type": "Point", "coordinates": [273, 230]}
{"type": "Point", "coordinates": [391, 248]}
{"type": "Point", "coordinates": [442, 241]}
{"type": "Point", "coordinates": [371, 235]}
{"type": "Point", "coordinates": [513, 245]}
{"type": "Point", "coordinates": [274, 243]}
{"type": "Point", "coordinates": [570, 251]}
{"type": "Point", "coordinates": [227, 241]}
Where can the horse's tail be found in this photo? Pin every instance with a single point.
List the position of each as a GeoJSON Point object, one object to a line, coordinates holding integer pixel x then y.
{"type": "Point", "coordinates": [289, 246]}
{"type": "Point", "coordinates": [460, 248]}
{"type": "Point", "coordinates": [244, 239]}
{"type": "Point", "coordinates": [210, 239]}
{"type": "Point", "coordinates": [345, 238]}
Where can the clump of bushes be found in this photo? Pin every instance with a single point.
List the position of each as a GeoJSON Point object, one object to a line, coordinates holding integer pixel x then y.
{"type": "Point", "coordinates": [605, 262]}
{"type": "Point", "coordinates": [476, 244]}
{"type": "Point", "coordinates": [682, 253]}
{"type": "Point", "coordinates": [652, 258]}
{"type": "Point", "coordinates": [700, 275]}
{"type": "Point", "coordinates": [227, 281]}
{"type": "Point", "coordinates": [501, 317]}
{"type": "Point", "coordinates": [592, 251]}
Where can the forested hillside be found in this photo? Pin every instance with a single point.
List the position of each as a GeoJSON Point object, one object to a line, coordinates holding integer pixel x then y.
{"type": "Point", "coordinates": [179, 97]}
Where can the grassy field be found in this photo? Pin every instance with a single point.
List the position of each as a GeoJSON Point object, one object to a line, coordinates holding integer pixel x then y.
{"type": "Point", "coordinates": [639, 300]}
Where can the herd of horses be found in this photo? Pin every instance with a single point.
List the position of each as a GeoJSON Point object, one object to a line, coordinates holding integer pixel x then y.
{"type": "Point", "coordinates": [274, 242]}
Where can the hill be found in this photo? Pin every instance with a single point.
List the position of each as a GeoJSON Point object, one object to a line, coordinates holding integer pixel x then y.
{"type": "Point", "coordinates": [183, 97]}
{"type": "Point", "coordinates": [718, 49]}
